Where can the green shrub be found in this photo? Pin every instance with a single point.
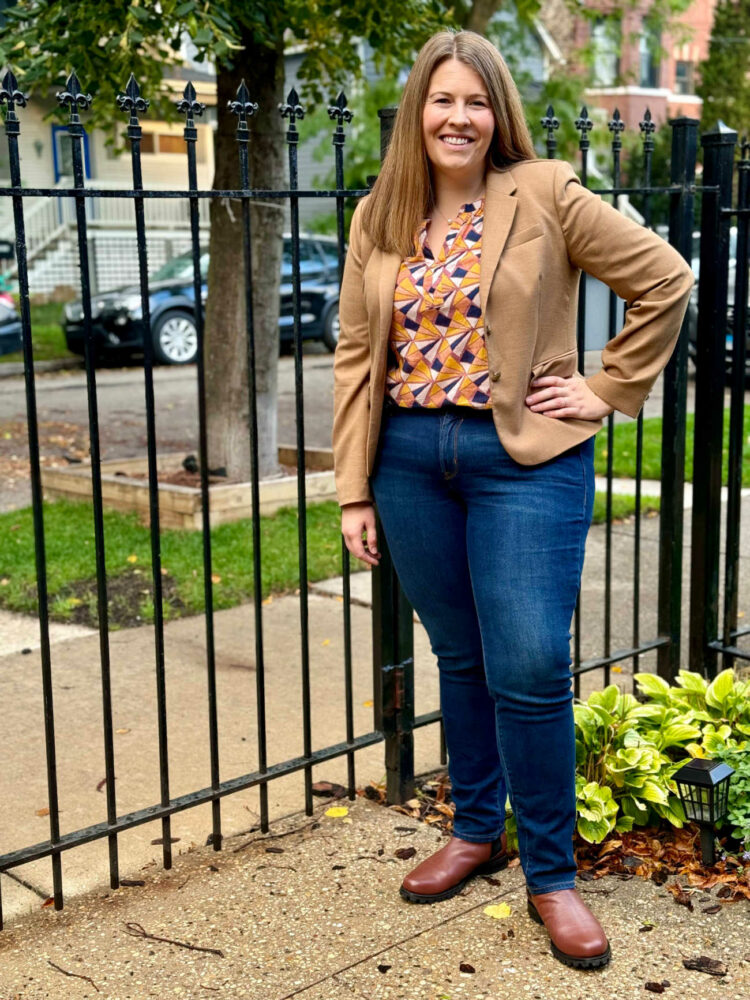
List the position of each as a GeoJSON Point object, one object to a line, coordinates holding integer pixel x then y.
{"type": "Point", "coordinates": [628, 751]}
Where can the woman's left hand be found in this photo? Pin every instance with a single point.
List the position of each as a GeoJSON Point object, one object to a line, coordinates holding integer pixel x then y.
{"type": "Point", "coordinates": [555, 396]}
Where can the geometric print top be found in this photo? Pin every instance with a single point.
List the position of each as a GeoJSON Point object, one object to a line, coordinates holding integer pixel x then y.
{"type": "Point", "coordinates": [437, 351]}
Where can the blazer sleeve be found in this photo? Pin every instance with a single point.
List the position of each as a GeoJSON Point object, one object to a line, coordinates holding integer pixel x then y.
{"type": "Point", "coordinates": [644, 270]}
{"type": "Point", "coordinates": [351, 377]}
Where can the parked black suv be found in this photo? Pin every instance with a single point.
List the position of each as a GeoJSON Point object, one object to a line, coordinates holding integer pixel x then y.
{"type": "Point", "coordinates": [117, 317]}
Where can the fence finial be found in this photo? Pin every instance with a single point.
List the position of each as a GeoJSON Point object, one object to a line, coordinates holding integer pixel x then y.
{"type": "Point", "coordinates": [10, 95]}
{"type": "Point", "coordinates": [189, 105]}
{"type": "Point", "coordinates": [243, 107]}
{"type": "Point", "coordinates": [74, 97]}
{"type": "Point", "coordinates": [131, 100]}
{"type": "Point", "coordinates": [550, 123]}
{"type": "Point", "coordinates": [584, 125]}
{"type": "Point", "coordinates": [292, 109]}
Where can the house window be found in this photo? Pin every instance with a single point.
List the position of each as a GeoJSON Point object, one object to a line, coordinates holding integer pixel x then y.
{"type": "Point", "coordinates": [155, 142]}
{"type": "Point", "coordinates": [649, 48]}
{"type": "Point", "coordinates": [171, 144]}
{"type": "Point", "coordinates": [605, 40]}
{"type": "Point", "coordinates": [683, 77]}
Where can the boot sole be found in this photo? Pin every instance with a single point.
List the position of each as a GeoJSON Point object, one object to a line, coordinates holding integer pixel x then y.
{"type": "Point", "coordinates": [487, 868]}
{"type": "Point", "coordinates": [575, 961]}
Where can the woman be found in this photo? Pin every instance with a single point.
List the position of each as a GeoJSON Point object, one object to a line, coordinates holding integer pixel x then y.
{"type": "Point", "coordinates": [459, 412]}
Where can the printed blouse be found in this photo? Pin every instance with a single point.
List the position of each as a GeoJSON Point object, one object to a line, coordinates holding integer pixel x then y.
{"type": "Point", "coordinates": [437, 351]}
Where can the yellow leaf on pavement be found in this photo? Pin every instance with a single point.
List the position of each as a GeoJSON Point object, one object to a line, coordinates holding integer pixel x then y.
{"type": "Point", "coordinates": [268, 600]}
{"type": "Point", "coordinates": [337, 811]}
{"type": "Point", "coordinates": [498, 910]}
{"type": "Point", "coordinates": [367, 704]}
{"type": "Point", "coordinates": [42, 812]}
{"type": "Point", "coordinates": [121, 732]}
{"type": "Point", "coordinates": [326, 642]}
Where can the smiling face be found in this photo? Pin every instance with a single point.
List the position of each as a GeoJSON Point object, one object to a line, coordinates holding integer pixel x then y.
{"type": "Point", "coordinates": [457, 122]}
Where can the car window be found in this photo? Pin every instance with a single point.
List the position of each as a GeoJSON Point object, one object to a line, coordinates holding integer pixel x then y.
{"type": "Point", "coordinates": [180, 267]}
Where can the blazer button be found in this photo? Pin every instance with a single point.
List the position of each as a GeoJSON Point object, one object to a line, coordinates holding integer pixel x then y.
{"type": "Point", "coordinates": [495, 376]}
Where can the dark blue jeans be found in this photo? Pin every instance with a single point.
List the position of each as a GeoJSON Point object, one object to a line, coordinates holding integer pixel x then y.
{"type": "Point", "coordinates": [490, 553]}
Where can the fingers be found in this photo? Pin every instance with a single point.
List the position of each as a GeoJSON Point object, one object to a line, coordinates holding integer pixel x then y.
{"type": "Point", "coordinates": [360, 534]}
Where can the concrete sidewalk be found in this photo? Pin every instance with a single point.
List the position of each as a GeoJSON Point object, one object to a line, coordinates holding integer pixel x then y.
{"type": "Point", "coordinates": [80, 763]}
{"type": "Point", "coordinates": [313, 911]}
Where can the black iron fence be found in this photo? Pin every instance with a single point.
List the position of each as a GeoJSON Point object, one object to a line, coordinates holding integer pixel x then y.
{"type": "Point", "coordinates": [394, 721]}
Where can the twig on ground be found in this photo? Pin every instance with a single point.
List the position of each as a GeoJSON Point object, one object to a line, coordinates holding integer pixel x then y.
{"type": "Point", "coordinates": [75, 975]}
{"type": "Point", "coordinates": [274, 836]}
{"type": "Point", "coordinates": [137, 931]}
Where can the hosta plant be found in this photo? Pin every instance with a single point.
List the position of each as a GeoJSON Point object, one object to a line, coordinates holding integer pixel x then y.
{"type": "Point", "coordinates": [620, 746]}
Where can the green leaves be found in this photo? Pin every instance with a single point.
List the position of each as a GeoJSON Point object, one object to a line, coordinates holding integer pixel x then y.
{"type": "Point", "coordinates": [720, 689]}
{"type": "Point", "coordinates": [653, 686]}
{"type": "Point", "coordinates": [622, 744]}
{"type": "Point", "coordinates": [596, 811]}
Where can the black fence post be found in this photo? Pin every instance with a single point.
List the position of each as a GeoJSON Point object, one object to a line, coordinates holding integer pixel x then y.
{"type": "Point", "coordinates": [737, 412]}
{"type": "Point", "coordinates": [718, 161]}
{"type": "Point", "coordinates": [674, 410]}
{"type": "Point", "coordinates": [393, 641]}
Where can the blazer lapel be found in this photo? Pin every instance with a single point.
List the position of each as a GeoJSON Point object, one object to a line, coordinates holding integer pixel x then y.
{"type": "Point", "coordinates": [499, 210]}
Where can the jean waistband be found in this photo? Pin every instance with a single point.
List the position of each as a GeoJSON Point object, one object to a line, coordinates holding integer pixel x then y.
{"type": "Point", "coordinates": [453, 408]}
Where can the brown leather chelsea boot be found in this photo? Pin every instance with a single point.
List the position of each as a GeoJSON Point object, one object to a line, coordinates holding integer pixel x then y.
{"type": "Point", "coordinates": [446, 872]}
{"type": "Point", "coordinates": [576, 936]}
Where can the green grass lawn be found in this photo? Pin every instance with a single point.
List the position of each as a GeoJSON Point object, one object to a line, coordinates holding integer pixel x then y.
{"type": "Point", "coordinates": [71, 571]}
{"type": "Point", "coordinates": [623, 458]}
{"type": "Point", "coordinates": [46, 335]}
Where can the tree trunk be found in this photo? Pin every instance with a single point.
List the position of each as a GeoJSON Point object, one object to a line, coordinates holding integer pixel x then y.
{"type": "Point", "coordinates": [479, 14]}
{"type": "Point", "coordinates": [225, 328]}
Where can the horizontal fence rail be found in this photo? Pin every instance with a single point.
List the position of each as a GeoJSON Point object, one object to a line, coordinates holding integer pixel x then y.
{"type": "Point", "coordinates": [394, 720]}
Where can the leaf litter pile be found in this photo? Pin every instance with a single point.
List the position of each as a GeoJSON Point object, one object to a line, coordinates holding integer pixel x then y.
{"type": "Point", "coordinates": [655, 853]}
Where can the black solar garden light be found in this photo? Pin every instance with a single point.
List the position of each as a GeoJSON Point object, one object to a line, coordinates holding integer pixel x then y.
{"type": "Point", "coordinates": [704, 789]}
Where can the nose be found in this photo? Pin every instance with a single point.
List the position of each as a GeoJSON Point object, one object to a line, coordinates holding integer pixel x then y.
{"type": "Point", "coordinates": [459, 113]}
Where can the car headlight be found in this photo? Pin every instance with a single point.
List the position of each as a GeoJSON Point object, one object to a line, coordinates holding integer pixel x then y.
{"type": "Point", "coordinates": [73, 312]}
{"type": "Point", "coordinates": [131, 304]}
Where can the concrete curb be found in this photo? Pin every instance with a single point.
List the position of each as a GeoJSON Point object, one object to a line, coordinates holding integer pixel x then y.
{"type": "Point", "coordinates": [14, 369]}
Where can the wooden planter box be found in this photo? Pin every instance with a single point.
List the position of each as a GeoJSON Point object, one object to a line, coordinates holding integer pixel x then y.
{"type": "Point", "coordinates": [180, 506]}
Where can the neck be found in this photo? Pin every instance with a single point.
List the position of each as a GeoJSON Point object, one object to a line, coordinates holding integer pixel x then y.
{"type": "Point", "coordinates": [451, 192]}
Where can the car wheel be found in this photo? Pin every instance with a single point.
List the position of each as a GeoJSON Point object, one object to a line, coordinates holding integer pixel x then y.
{"type": "Point", "coordinates": [331, 327]}
{"type": "Point", "coordinates": [175, 338]}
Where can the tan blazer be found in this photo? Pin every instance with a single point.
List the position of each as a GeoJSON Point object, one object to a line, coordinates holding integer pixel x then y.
{"type": "Point", "coordinates": [541, 227]}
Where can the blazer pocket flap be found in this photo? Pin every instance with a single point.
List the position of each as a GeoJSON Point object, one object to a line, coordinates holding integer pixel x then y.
{"type": "Point", "coordinates": [524, 235]}
{"type": "Point", "coordinates": [561, 364]}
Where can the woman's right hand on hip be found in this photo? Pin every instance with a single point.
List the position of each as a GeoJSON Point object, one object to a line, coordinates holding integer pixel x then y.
{"type": "Point", "coordinates": [358, 529]}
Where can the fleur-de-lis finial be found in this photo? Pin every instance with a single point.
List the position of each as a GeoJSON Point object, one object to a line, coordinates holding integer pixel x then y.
{"type": "Point", "coordinates": [11, 95]}
{"type": "Point", "coordinates": [616, 124]}
{"type": "Point", "coordinates": [583, 123]}
{"type": "Point", "coordinates": [647, 126]}
{"type": "Point", "coordinates": [549, 121]}
{"type": "Point", "coordinates": [74, 97]}
{"type": "Point", "coordinates": [243, 107]}
{"type": "Point", "coordinates": [189, 105]}
{"type": "Point", "coordinates": [339, 110]}
{"type": "Point", "coordinates": [131, 100]}
{"type": "Point", "coordinates": [292, 109]}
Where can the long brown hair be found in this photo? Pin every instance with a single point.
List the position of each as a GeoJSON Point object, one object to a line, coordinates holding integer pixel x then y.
{"type": "Point", "coordinates": [402, 194]}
